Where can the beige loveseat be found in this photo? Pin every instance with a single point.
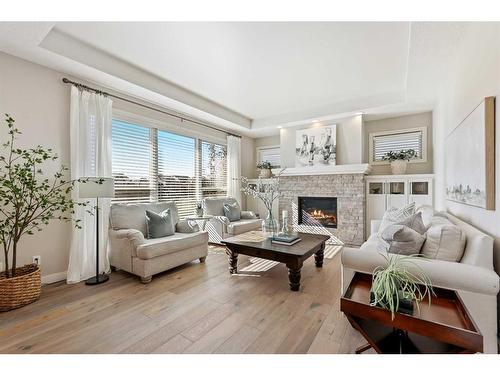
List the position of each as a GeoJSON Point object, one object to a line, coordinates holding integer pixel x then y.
{"type": "Point", "coordinates": [473, 277]}
{"type": "Point", "coordinates": [131, 251]}
{"type": "Point", "coordinates": [219, 227]}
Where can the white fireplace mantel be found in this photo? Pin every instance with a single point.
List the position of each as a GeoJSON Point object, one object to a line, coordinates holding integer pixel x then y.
{"type": "Point", "coordinates": [324, 170]}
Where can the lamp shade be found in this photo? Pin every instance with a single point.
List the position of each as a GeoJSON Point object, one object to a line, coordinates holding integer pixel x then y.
{"type": "Point", "coordinates": [93, 189]}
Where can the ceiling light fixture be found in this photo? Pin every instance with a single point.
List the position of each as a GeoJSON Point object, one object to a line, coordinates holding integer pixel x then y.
{"type": "Point", "coordinates": [315, 121]}
{"type": "Point", "coordinates": [279, 127]}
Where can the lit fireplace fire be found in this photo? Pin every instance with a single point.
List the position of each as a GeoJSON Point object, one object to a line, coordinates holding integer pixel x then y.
{"type": "Point", "coordinates": [318, 211]}
{"type": "Point", "coordinates": [319, 214]}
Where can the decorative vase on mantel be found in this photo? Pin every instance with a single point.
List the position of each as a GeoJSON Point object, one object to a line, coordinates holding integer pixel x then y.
{"type": "Point", "coordinates": [399, 166]}
{"type": "Point", "coordinates": [265, 173]}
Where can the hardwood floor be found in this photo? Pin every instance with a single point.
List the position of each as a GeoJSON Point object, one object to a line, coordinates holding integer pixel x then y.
{"type": "Point", "coordinates": [196, 308]}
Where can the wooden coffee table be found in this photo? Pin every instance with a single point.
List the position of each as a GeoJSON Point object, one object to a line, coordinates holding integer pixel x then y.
{"type": "Point", "coordinates": [256, 245]}
{"type": "Point", "coordinates": [443, 327]}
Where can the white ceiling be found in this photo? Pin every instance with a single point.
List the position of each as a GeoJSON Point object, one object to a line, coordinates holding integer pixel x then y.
{"type": "Point", "coordinates": [250, 77]}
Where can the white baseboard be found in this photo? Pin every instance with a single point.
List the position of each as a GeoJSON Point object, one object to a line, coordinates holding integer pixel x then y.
{"type": "Point", "coordinates": [54, 277]}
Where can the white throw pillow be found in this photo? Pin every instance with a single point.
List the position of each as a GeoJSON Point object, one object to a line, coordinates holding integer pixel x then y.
{"type": "Point", "coordinates": [396, 215]}
{"type": "Point", "coordinates": [445, 241]}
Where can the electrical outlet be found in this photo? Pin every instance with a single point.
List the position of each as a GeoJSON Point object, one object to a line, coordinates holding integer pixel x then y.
{"type": "Point", "coordinates": [37, 259]}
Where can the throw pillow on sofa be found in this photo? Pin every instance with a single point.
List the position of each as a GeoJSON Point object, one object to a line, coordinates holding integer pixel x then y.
{"type": "Point", "coordinates": [395, 215]}
{"type": "Point", "coordinates": [445, 241]}
{"type": "Point", "coordinates": [400, 239]}
{"type": "Point", "coordinates": [232, 211]}
{"type": "Point", "coordinates": [415, 222]}
{"type": "Point", "coordinates": [159, 225]}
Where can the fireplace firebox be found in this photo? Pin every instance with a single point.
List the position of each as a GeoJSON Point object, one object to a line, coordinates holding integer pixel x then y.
{"type": "Point", "coordinates": [318, 211]}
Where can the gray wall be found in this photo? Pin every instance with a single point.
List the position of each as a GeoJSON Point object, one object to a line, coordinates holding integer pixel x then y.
{"type": "Point", "coordinates": [398, 123]}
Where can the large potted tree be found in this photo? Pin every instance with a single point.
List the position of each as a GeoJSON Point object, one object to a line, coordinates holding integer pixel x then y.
{"type": "Point", "coordinates": [28, 202]}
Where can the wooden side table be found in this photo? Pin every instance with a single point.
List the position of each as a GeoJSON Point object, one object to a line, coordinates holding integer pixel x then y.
{"type": "Point", "coordinates": [203, 219]}
{"type": "Point", "coordinates": [444, 326]}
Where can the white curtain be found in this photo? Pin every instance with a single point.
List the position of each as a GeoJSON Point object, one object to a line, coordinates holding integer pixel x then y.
{"type": "Point", "coordinates": [90, 140]}
{"type": "Point", "coordinates": [234, 167]}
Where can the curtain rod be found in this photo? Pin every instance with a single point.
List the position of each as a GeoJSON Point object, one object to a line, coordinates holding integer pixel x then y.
{"type": "Point", "coordinates": [84, 87]}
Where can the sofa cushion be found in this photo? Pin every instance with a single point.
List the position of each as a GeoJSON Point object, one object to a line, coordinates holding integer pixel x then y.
{"type": "Point", "coordinates": [396, 215]}
{"type": "Point", "coordinates": [445, 241]}
{"type": "Point", "coordinates": [400, 239]}
{"type": "Point", "coordinates": [159, 225]}
{"type": "Point", "coordinates": [242, 226]}
{"type": "Point", "coordinates": [215, 206]}
{"type": "Point", "coordinates": [155, 247]}
{"type": "Point", "coordinates": [232, 211]}
{"type": "Point", "coordinates": [133, 216]}
{"type": "Point", "coordinates": [187, 226]}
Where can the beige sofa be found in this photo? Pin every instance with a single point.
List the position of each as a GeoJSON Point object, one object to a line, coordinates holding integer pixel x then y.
{"type": "Point", "coordinates": [473, 277]}
{"type": "Point", "coordinates": [219, 227]}
{"type": "Point", "coordinates": [131, 251]}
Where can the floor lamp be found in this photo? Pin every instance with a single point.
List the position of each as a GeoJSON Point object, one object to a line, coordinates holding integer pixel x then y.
{"type": "Point", "coordinates": [97, 187]}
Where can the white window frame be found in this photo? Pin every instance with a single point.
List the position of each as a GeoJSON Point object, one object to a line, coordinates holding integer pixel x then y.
{"type": "Point", "coordinates": [260, 148]}
{"type": "Point", "coordinates": [423, 129]}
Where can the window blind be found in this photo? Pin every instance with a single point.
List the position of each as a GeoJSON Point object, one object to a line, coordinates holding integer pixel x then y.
{"type": "Point", "coordinates": [131, 162]}
{"type": "Point", "coordinates": [152, 165]}
{"type": "Point", "coordinates": [213, 169]}
{"type": "Point", "coordinates": [272, 155]}
{"type": "Point", "coordinates": [176, 171]}
{"type": "Point", "coordinates": [397, 142]}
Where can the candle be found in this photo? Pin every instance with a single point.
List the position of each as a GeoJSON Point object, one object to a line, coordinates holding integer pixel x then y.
{"type": "Point", "coordinates": [285, 214]}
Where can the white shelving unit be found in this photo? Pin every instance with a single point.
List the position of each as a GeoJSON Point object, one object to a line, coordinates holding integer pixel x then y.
{"type": "Point", "coordinates": [385, 191]}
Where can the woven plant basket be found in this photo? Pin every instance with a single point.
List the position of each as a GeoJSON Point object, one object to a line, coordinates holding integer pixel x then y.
{"type": "Point", "coordinates": [20, 290]}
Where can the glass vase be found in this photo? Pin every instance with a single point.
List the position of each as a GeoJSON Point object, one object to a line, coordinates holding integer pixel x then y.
{"type": "Point", "coordinates": [270, 226]}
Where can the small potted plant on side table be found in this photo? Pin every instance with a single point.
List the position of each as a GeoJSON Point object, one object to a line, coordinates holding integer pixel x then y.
{"type": "Point", "coordinates": [265, 169]}
{"type": "Point", "coordinates": [399, 160]}
{"type": "Point", "coordinates": [395, 288]}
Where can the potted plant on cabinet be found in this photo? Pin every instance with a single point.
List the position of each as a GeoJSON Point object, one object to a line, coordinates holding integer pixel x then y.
{"type": "Point", "coordinates": [28, 202]}
{"type": "Point", "coordinates": [395, 288]}
{"type": "Point", "coordinates": [399, 160]}
{"type": "Point", "coordinates": [265, 169]}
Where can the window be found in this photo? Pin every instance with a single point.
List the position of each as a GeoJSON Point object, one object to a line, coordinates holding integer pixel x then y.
{"type": "Point", "coordinates": [213, 170]}
{"type": "Point", "coordinates": [152, 165]}
{"type": "Point", "coordinates": [132, 162]}
{"type": "Point", "coordinates": [270, 154]}
{"type": "Point", "coordinates": [383, 142]}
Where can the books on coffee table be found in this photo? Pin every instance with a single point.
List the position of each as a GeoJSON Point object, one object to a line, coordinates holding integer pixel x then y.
{"type": "Point", "coordinates": [285, 239]}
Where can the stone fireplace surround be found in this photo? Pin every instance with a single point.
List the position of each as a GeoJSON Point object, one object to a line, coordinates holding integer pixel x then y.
{"type": "Point", "coordinates": [349, 189]}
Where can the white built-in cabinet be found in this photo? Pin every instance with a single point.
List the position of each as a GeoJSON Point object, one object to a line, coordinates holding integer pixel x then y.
{"type": "Point", "coordinates": [383, 192]}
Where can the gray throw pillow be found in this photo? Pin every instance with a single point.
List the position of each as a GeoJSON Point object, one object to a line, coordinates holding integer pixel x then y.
{"type": "Point", "coordinates": [232, 211]}
{"type": "Point", "coordinates": [415, 222]}
{"type": "Point", "coordinates": [400, 239]}
{"type": "Point", "coordinates": [159, 225]}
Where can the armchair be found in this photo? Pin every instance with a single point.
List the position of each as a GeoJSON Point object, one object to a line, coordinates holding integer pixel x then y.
{"type": "Point", "coordinates": [220, 227]}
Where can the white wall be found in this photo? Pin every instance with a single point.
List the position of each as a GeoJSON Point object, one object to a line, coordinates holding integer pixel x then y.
{"type": "Point", "coordinates": [475, 75]}
{"type": "Point", "coordinates": [350, 143]}
{"type": "Point", "coordinates": [39, 102]}
{"type": "Point", "coordinates": [398, 123]}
